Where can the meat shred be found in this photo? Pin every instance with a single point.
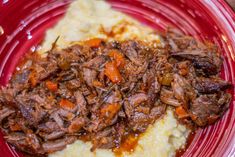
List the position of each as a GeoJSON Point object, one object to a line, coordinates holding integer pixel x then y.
{"type": "Point", "coordinates": [103, 93]}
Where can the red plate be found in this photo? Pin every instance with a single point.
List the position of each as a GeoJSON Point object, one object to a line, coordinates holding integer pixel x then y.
{"type": "Point", "coordinates": [24, 23]}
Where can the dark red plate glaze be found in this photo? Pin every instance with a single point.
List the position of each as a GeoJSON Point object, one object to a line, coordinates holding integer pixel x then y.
{"type": "Point", "coordinates": [24, 23]}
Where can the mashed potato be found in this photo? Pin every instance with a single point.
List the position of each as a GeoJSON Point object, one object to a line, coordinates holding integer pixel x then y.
{"type": "Point", "coordinates": [92, 18]}
{"type": "Point", "coordinates": [87, 19]}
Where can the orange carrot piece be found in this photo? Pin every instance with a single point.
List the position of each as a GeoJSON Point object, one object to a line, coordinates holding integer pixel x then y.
{"type": "Point", "coordinates": [97, 83]}
{"type": "Point", "coordinates": [112, 72]}
{"type": "Point", "coordinates": [66, 104]}
{"type": "Point", "coordinates": [183, 72]}
{"type": "Point", "coordinates": [33, 78]}
{"type": "Point", "coordinates": [110, 110]}
{"type": "Point", "coordinates": [52, 86]}
{"type": "Point", "coordinates": [76, 125]}
{"type": "Point", "coordinates": [94, 43]}
{"type": "Point", "coordinates": [15, 127]}
{"type": "Point", "coordinates": [118, 57]}
{"type": "Point", "coordinates": [181, 113]}
{"type": "Point", "coordinates": [193, 117]}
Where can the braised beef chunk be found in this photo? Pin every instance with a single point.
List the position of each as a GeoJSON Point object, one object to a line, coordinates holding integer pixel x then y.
{"type": "Point", "coordinates": [59, 144]}
{"type": "Point", "coordinates": [200, 61]}
{"type": "Point", "coordinates": [5, 112]}
{"type": "Point", "coordinates": [204, 57]}
{"type": "Point", "coordinates": [211, 85]}
{"type": "Point", "coordinates": [107, 93]}
{"type": "Point", "coordinates": [208, 108]}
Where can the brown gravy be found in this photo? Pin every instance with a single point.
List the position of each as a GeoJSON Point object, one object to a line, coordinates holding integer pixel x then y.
{"type": "Point", "coordinates": [181, 151]}
{"type": "Point", "coordinates": [128, 145]}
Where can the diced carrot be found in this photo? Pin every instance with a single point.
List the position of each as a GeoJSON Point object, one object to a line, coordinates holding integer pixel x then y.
{"type": "Point", "coordinates": [118, 57]}
{"type": "Point", "coordinates": [94, 43]}
{"type": "Point", "coordinates": [110, 110]}
{"type": "Point", "coordinates": [15, 127]}
{"type": "Point", "coordinates": [33, 78]}
{"type": "Point", "coordinates": [112, 72]}
{"type": "Point", "coordinates": [181, 113]}
{"type": "Point", "coordinates": [66, 104]}
{"type": "Point", "coordinates": [97, 83]}
{"type": "Point", "coordinates": [183, 72]}
{"type": "Point", "coordinates": [52, 86]}
{"type": "Point", "coordinates": [193, 117]}
{"type": "Point", "coordinates": [76, 125]}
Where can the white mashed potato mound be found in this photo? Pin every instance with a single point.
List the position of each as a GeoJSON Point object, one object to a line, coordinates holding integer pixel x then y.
{"type": "Point", "coordinates": [87, 19]}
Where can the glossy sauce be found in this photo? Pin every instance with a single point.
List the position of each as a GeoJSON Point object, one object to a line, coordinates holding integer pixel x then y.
{"type": "Point", "coordinates": [181, 151]}
{"type": "Point", "coordinates": [128, 145]}
{"type": "Point", "coordinates": [116, 30]}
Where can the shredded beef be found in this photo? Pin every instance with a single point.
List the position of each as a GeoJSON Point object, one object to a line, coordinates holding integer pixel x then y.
{"type": "Point", "coordinates": [103, 93]}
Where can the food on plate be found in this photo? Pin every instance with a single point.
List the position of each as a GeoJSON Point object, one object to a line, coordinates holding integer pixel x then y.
{"type": "Point", "coordinates": [107, 92]}
{"type": "Point", "coordinates": [120, 94]}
